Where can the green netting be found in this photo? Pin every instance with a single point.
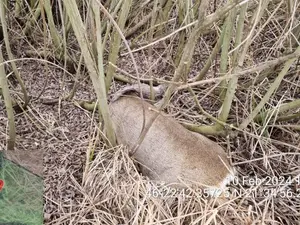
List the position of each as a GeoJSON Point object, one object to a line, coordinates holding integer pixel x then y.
{"type": "Point", "coordinates": [21, 198]}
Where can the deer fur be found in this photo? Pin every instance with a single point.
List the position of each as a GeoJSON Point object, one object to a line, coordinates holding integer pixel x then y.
{"type": "Point", "coordinates": [169, 152]}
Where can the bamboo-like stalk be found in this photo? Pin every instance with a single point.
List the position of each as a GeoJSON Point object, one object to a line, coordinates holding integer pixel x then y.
{"type": "Point", "coordinates": [116, 41]}
{"type": "Point", "coordinates": [293, 44]}
{"type": "Point", "coordinates": [1, 32]}
{"type": "Point", "coordinates": [252, 69]}
{"type": "Point", "coordinates": [5, 8]}
{"type": "Point", "coordinates": [33, 3]}
{"type": "Point", "coordinates": [19, 4]}
{"type": "Point", "coordinates": [76, 82]}
{"type": "Point", "coordinates": [151, 31]}
{"type": "Point", "coordinates": [66, 22]}
{"type": "Point", "coordinates": [8, 105]}
{"type": "Point", "coordinates": [220, 14]}
{"type": "Point", "coordinates": [35, 13]}
{"type": "Point", "coordinates": [191, 43]}
{"type": "Point", "coordinates": [167, 6]}
{"type": "Point", "coordinates": [254, 21]}
{"type": "Point", "coordinates": [187, 53]}
{"type": "Point", "coordinates": [232, 84]}
{"type": "Point", "coordinates": [99, 84]}
{"type": "Point", "coordinates": [182, 34]}
{"type": "Point", "coordinates": [270, 91]}
{"type": "Point", "coordinates": [10, 55]}
{"type": "Point", "coordinates": [225, 49]}
{"type": "Point", "coordinates": [53, 31]}
{"type": "Point", "coordinates": [107, 3]}
{"type": "Point", "coordinates": [153, 20]}
{"type": "Point", "coordinates": [100, 63]}
{"type": "Point", "coordinates": [211, 58]}
{"type": "Point", "coordinates": [288, 117]}
{"type": "Point", "coordinates": [208, 130]}
{"type": "Point", "coordinates": [164, 11]}
{"type": "Point", "coordinates": [65, 31]}
{"type": "Point", "coordinates": [108, 25]}
{"type": "Point", "coordinates": [144, 20]}
{"type": "Point", "coordinates": [281, 109]}
{"type": "Point", "coordinates": [196, 7]}
{"type": "Point", "coordinates": [157, 27]}
{"type": "Point", "coordinates": [46, 65]}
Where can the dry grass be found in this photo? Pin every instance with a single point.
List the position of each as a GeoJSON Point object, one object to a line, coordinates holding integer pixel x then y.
{"type": "Point", "coordinates": [112, 191]}
{"type": "Point", "coordinates": [115, 193]}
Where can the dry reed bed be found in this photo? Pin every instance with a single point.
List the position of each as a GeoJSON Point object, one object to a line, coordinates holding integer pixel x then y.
{"type": "Point", "coordinates": [112, 191]}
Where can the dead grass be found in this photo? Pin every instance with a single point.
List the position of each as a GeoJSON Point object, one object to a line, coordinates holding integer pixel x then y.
{"type": "Point", "coordinates": [113, 191]}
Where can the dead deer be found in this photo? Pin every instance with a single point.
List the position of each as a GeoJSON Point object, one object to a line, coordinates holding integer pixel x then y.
{"type": "Point", "coordinates": [169, 152]}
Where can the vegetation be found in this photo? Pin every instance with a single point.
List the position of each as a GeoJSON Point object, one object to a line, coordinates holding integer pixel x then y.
{"type": "Point", "coordinates": [231, 71]}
